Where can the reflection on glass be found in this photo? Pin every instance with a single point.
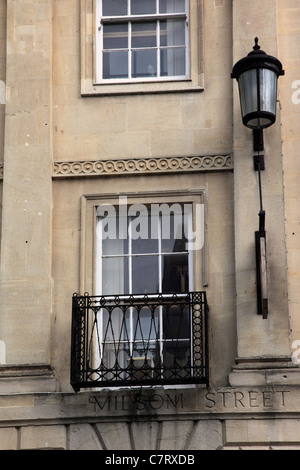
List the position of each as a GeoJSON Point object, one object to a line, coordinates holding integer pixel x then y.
{"type": "Point", "coordinates": [171, 6]}
{"type": "Point", "coordinates": [143, 35]}
{"type": "Point", "coordinates": [115, 36]}
{"type": "Point", "coordinates": [248, 91]}
{"type": "Point", "coordinates": [139, 7]}
{"type": "Point", "coordinates": [114, 7]}
{"type": "Point", "coordinates": [268, 90]}
{"type": "Point", "coordinates": [172, 33]}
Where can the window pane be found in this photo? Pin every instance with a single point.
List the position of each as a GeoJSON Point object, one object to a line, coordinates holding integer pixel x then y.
{"type": "Point", "coordinates": [115, 64]}
{"type": "Point", "coordinates": [176, 322]}
{"type": "Point", "coordinates": [115, 36]}
{"type": "Point", "coordinates": [115, 279]}
{"type": "Point", "coordinates": [143, 35]}
{"type": "Point", "coordinates": [171, 6]}
{"type": "Point", "coordinates": [114, 247]}
{"type": "Point", "coordinates": [112, 232]}
{"type": "Point", "coordinates": [172, 233]}
{"type": "Point", "coordinates": [144, 237]}
{"type": "Point", "coordinates": [175, 273]}
{"type": "Point", "coordinates": [144, 63]}
{"type": "Point", "coordinates": [172, 62]}
{"type": "Point", "coordinates": [141, 7]}
{"type": "Point", "coordinates": [145, 274]}
{"type": "Point", "coordinates": [114, 7]}
{"type": "Point", "coordinates": [145, 324]}
{"type": "Point", "coordinates": [172, 33]}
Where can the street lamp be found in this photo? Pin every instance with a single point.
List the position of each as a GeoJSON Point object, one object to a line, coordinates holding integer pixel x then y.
{"type": "Point", "coordinates": [257, 76]}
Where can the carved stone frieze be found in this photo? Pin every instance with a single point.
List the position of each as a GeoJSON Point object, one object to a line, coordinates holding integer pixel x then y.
{"type": "Point", "coordinates": [143, 165]}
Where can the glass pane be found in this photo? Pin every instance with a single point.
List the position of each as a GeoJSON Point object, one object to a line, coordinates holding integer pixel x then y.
{"type": "Point", "coordinates": [268, 90]}
{"type": "Point", "coordinates": [248, 91]}
{"type": "Point", "coordinates": [114, 247]}
{"type": "Point", "coordinates": [143, 7]}
{"type": "Point", "coordinates": [115, 64]}
{"type": "Point", "coordinates": [176, 322]}
{"type": "Point", "coordinates": [145, 275]}
{"type": "Point", "coordinates": [114, 7]}
{"type": "Point", "coordinates": [172, 33]}
{"type": "Point", "coordinates": [143, 239]}
{"type": "Point", "coordinates": [143, 35]}
{"type": "Point", "coordinates": [144, 63]}
{"type": "Point", "coordinates": [171, 6]}
{"type": "Point", "coordinates": [176, 350]}
{"type": "Point", "coordinates": [145, 324]}
{"type": "Point", "coordinates": [173, 237]}
{"type": "Point", "coordinates": [172, 62]}
{"type": "Point", "coordinates": [112, 324]}
{"type": "Point", "coordinates": [175, 274]}
{"type": "Point", "coordinates": [112, 233]}
{"type": "Point", "coordinates": [115, 36]}
{"type": "Point", "coordinates": [115, 279]}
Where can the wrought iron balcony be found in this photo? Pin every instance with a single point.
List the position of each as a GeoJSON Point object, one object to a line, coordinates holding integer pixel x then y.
{"type": "Point", "coordinates": [139, 340]}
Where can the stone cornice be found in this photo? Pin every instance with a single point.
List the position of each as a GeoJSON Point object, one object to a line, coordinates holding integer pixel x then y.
{"type": "Point", "coordinates": [142, 166]}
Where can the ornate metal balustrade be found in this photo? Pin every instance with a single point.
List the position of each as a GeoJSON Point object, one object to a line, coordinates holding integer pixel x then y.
{"type": "Point", "coordinates": [139, 340]}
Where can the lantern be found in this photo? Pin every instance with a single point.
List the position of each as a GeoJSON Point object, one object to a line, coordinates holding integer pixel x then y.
{"type": "Point", "coordinates": [257, 75]}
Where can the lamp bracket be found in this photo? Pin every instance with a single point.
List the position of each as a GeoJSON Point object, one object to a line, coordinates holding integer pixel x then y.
{"type": "Point", "coordinates": [258, 162]}
{"type": "Point", "coordinates": [261, 267]}
{"type": "Point", "coordinates": [258, 146]}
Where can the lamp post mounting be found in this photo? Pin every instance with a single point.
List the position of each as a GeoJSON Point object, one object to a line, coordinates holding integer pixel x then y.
{"type": "Point", "coordinates": [257, 76]}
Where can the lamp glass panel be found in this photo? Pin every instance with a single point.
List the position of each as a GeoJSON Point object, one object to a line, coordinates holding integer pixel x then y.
{"type": "Point", "coordinates": [248, 92]}
{"type": "Point", "coordinates": [268, 90]}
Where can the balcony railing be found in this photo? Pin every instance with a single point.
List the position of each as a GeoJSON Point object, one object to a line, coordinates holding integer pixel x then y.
{"type": "Point", "coordinates": [139, 340]}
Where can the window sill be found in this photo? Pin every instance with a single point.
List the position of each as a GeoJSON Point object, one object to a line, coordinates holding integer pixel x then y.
{"type": "Point", "coordinates": [185, 86]}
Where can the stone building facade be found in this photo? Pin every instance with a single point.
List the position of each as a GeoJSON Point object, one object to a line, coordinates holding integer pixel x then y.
{"type": "Point", "coordinates": [77, 133]}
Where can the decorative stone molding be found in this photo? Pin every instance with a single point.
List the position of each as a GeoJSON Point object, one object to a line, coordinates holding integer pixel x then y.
{"type": "Point", "coordinates": [143, 166]}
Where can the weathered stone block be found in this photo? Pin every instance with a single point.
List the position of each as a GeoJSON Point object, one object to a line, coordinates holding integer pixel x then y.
{"type": "Point", "coordinates": [43, 437]}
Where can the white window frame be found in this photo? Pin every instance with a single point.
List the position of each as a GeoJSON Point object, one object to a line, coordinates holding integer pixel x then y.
{"type": "Point", "coordinates": [190, 220]}
{"type": "Point", "coordinates": [88, 57]}
{"type": "Point", "coordinates": [88, 230]}
{"type": "Point", "coordinates": [89, 265]}
{"type": "Point", "coordinates": [130, 19]}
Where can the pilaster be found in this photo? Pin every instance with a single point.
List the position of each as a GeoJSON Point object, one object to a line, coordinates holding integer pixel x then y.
{"type": "Point", "coordinates": [263, 344]}
{"type": "Point", "coordinates": [25, 309]}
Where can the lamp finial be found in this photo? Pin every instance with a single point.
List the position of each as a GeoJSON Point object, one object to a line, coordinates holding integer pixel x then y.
{"type": "Point", "coordinates": [256, 47]}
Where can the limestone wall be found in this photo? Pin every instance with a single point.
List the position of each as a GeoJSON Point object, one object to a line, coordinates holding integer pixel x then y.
{"type": "Point", "coordinates": [289, 40]}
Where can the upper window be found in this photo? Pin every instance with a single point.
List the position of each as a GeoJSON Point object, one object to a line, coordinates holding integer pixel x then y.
{"type": "Point", "coordinates": [142, 40]}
